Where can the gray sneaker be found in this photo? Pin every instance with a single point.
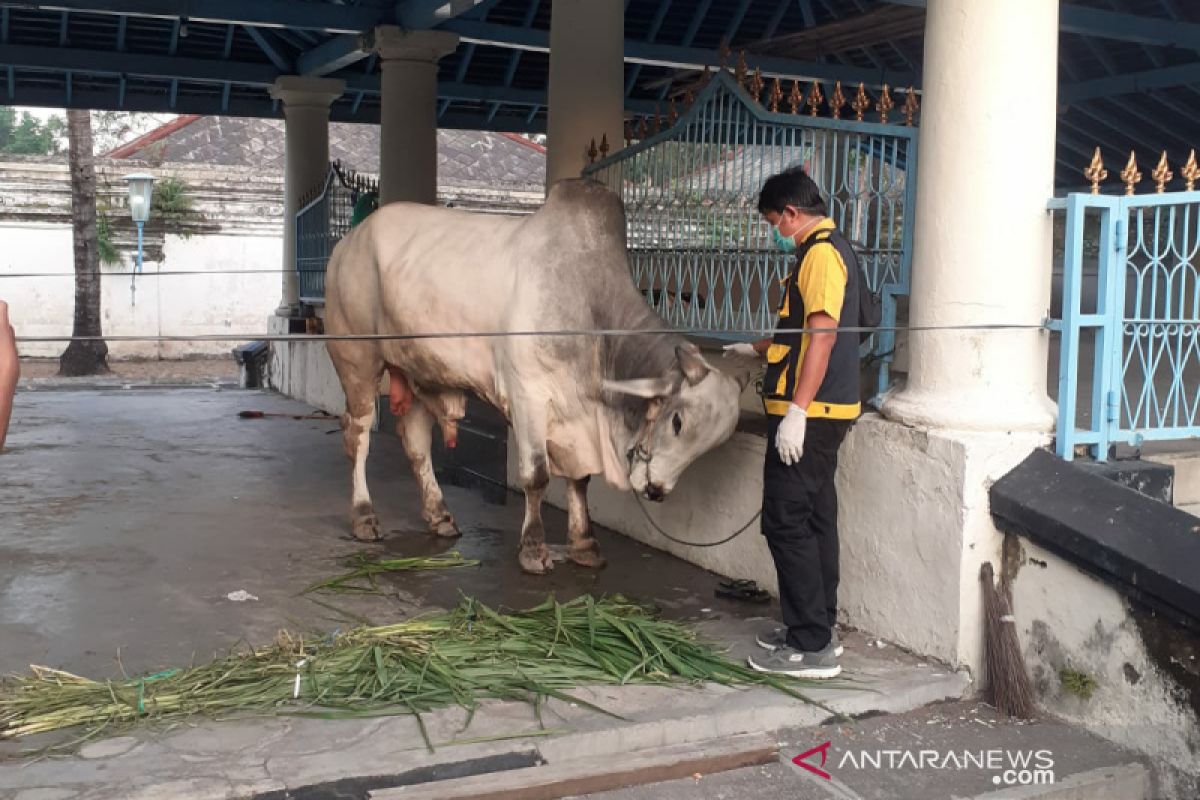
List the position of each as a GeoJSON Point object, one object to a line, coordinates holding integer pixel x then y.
{"type": "Point", "coordinates": [793, 663]}
{"type": "Point", "coordinates": [776, 637]}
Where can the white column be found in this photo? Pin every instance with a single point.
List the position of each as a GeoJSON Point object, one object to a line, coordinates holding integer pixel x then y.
{"type": "Point", "coordinates": [586, 98]}
{"type": "Point", "coordinates": [983, 236]}
{"type": "Point", "coordinates": [306, 104]}
{"type": "Point", "coordinates": [408, 112]}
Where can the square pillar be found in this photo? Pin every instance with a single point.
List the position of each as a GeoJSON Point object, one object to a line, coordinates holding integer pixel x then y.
{"type": "Point", "coordinates": [306, 103]}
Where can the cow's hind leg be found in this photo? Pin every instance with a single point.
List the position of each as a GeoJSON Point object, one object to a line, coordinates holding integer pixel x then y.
{"type": "Point", "coordinates": [416, 432]}
{"type": "Point", "coordinates": [534, 556]}
{"type": "Point", "coordinates": [585, 550]}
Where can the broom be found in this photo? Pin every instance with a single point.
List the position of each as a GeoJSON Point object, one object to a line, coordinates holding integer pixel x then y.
{"type": "Point", "coordinates": [1008, 687]}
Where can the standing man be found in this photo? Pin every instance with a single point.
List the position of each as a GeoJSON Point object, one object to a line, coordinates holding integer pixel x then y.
{"type": "Point", "coordinates": [811, 395]}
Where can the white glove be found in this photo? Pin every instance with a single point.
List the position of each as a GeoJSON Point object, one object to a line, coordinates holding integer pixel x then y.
{"type": "Point", "coordinates": [740, 350]}
{"type": "Point", "coordinates": [789, 441]}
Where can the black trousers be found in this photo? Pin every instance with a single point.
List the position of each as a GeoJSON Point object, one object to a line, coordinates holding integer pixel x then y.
{"type": "Point", "coordinates": [799, 521]}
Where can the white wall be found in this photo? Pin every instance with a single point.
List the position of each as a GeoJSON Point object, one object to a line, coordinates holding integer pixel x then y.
{"type": "Point", "coordinates": [185, 305]}
{"type": "Point", "coordinates": [1068, 619]}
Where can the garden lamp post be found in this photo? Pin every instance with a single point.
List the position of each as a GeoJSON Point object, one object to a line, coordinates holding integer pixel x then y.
{"type": "Point", "coordinates": [140, 187]}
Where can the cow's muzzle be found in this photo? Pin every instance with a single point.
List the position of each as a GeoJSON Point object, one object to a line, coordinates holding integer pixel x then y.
{"type": "Point", "coordinates": [655, 492]}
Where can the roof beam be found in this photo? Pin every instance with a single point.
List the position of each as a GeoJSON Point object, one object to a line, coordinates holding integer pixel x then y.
{"type": "Point", "coordinates": [337, 53]}
{"type": "Point", "coordinates": [281, 62]}
{"type": "Point", "coordinates": [262, 13]}
{"type": "Point", "coordinates": [1131, 83]}
{"type": "Point", "coordinates": [417, 14]}
{"type": "Point", "coordinates": [682, 57]}
{"type": "Point", "coordinates": [1116, 25]}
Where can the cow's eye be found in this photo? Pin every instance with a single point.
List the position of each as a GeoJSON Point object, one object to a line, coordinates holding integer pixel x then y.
{"type": "Point", "coordinates": [677, 424]}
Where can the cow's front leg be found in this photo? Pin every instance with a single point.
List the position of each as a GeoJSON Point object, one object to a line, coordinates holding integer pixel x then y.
{"type": "Point", "coordinates": [416, 432]}
{"type": "Point", "coordinates": [585, 550]}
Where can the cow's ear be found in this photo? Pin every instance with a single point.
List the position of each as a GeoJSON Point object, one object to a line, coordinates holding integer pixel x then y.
{"type": "Point", "coordinates": [694, 367]}
{"type": "Point", "coordinates": [648, 388]}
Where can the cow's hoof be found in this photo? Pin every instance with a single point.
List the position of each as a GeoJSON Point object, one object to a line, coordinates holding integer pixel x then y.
{"type": "Point", "coordinates": [587, 556]}
{"type": "Point", "coordinates": [536, 559]}
{"type": "Point", "coordinates": [365, 526]}
{"type": "Point", "coordinates": [446, 527]}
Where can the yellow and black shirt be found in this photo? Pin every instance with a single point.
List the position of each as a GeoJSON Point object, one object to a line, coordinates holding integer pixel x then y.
{"type": "Point", "coordinates": [824, 278]}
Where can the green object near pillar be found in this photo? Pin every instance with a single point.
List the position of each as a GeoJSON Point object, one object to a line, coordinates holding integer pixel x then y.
{"type": "Point", "coordinates": [366, 203]}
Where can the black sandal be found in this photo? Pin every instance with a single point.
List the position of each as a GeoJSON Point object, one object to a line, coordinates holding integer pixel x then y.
{"type": "Point", "coordinates": [745, 590]}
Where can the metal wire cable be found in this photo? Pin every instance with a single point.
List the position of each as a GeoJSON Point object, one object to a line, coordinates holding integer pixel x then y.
{"type": "Point", "coordinates": [607, 333]}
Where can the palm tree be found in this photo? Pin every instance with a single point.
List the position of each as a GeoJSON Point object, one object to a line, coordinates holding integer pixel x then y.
{"type": "Point", "coordinates": [84, 357]}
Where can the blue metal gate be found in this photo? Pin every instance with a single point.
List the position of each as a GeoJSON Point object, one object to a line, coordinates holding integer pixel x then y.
{"type": "Point", "coordinates": [322, 221]}
{"type": "Point", "coordinates": [1144, 316]}
{"type": "Point", "coordinates": [698, 248]}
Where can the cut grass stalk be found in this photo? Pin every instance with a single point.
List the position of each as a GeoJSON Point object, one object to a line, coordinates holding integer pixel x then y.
{"type": "Point", "coordinates": [366, 568]}
{"type": "Point", "coordinates": [455, 658]}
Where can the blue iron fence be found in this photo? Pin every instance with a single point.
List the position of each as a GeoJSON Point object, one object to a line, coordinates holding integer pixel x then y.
{"type": "Point", "coordinates": [698, 248]}
{"type": "Point", "coordinates": [1141, 318]}
{"type": "Point", "coordinates": [322, 221]}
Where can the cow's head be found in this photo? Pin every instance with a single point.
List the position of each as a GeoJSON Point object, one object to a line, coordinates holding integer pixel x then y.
{"type": "Point", "coordinates": [691, 409]}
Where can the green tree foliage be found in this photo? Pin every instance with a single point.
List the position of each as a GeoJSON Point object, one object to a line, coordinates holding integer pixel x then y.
{"type": "Point", "coordinates": [28, 136]}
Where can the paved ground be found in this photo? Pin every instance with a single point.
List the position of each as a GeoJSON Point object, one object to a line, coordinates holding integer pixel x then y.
{"type": "Point", "coordinates": [128, 516]}
{"type": "Point", "coordinates": [223, 368]}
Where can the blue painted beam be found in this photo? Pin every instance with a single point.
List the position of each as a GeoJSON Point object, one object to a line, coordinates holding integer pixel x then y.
{"type": "Point", "coordinates": [1131, 83]}
{"type": "Point", "coordinates": [277, 58]}
{"type": "Point", "coordinates": [777, 17]}
{"type": "Point", "coordinates": [337, 53]}
{"type": "Point", "coordinates": [464, 62]}
{"type": "Point", "coordinates": [174, 92]}
{"type": "Point", "coordinates": [12, 83]}
{"type": "Point", "coordinates": [4, 25]}
{"type": "Point", "coordinates": [420, 14]}
{"type": "Point", "coordinates": [229, 29]}
{"type": "Point", "coordinates": [655, 24]}
{"type": "Point", "coordinates": [174, 45]}
{"type": "Point", "coordinates": [104, 62]}
{"type": "Point", "coordinates": [326, 17]}
{"type": "Point", "coordinates": [1116, 25]}
{"type": "Point", "coordinates": [121, 92]}
{"type": "Point", "coordinates": [358, 98]}
{"type": "Point", "coordinates": [225, 90]}
{"type": "Point", "coordinates": [122, 24]}
{"type": "Point", "coordinates": [683, 57]}
{"type": "Point", "coordinates": [62, 29]}
{"type": "Point", "coordinates": [70, 88]}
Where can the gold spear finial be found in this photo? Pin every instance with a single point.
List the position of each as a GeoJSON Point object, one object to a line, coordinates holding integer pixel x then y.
{"type": "Point", "coordinates": [1191, 171]}
{"type": "Point", "coordinates": [837, 101]}
{"type": "Point", "coordinates": [723, 54]}
{"type": "Point", "coordinates": [885, 104]}
{"type": "Point", "coordinates": [1162, 174]}
{"type": "Point", "coordinates": [814, 99]}
{"type": "Point", "coordinates": [604, 145]}
{"type": "Point", "coordinates": [911, 106]}
{"type": "Point", "coordinates": [642, 130]}
{"type": "Point", "coordinates": [656, 126]}
{"type": "Point", "coordinates": [756, 84]}
{"type": "Point", "coordinates": [672, 113]}
{"type": "Point", "coordinates": [628, 133]}
{"type": "Point", "coordinates": [796, 97]}
{"type": "Point", "coordinates": [741, 71]}
{"type": "Point", "coordinates": [860, 104]}
{"type": "Point", "coordinates": [776, 96]}
{"type": "Point", "coordinates": [1131, 174]}
{"type": "Point", "coordinates": [689, 97]}
{"type": "Point", "coordinates": [1095, 171]}
{"type": "Point", "coordinates": [592, 151]}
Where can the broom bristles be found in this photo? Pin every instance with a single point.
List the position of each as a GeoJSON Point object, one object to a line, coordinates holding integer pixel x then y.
{"type": "Point", "coordinates": [1008, 686]}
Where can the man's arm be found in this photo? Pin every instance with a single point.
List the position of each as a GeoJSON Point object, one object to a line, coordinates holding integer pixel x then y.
{"type": "Point", "coordinates": [9, 370]}
{"type": "Point", "coordinates": [816, 358]}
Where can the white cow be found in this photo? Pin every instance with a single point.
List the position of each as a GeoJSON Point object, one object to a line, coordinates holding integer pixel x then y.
{"type": "Point", "coordinates": [635, 409]}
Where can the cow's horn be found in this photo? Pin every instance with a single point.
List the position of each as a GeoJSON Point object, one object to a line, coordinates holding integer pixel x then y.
{"type": "Point", "coordinates": [692, 363]}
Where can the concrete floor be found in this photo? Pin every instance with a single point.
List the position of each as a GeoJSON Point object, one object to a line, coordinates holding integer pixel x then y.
{"type": "Point", "coordinates": [129, 515]}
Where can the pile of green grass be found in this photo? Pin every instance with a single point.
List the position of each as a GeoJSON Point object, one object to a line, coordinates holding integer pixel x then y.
{"type": "Point", "coordinates": [454, 658]}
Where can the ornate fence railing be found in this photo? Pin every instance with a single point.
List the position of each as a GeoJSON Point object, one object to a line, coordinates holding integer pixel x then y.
{"type": "Point", "coordinates": [698, 248]}
{"type": "Point", "coordinates": [1129, 362]}
{"type": "Point", "coordinates": [322, 220]}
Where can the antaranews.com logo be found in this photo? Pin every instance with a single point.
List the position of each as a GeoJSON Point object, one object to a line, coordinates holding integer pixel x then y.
{"type": "Point", "coordinates": [1007, 767]}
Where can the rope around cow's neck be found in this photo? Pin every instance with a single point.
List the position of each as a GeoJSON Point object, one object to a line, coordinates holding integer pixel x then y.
{"type": "Point", "coordinates": [642, 450]}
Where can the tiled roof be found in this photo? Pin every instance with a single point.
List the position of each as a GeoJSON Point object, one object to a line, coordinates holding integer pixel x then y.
{"type": "Point", "coordinates": [465, 158]}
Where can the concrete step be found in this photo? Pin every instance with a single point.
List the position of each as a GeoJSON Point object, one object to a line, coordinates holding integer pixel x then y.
{"type": "Point", "coordinates": [1124, 782]}
{"type": "Point", "coordinates": [1187, 474]}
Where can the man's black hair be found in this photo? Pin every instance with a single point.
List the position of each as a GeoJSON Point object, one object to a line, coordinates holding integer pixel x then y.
{"type": "Point", "coordinates": [792, 187]}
